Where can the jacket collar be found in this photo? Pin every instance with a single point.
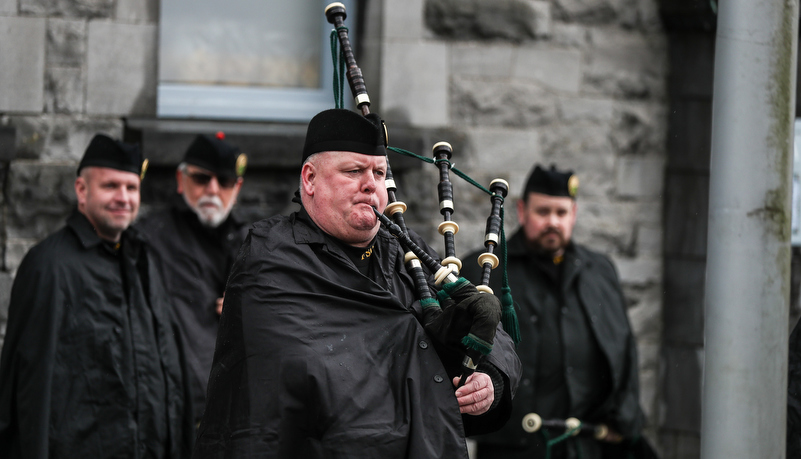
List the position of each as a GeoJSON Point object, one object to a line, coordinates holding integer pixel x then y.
{"type": "Point", "coordinates": [573, 260]}
{"type": "Point", "coordinates": [87, 235]}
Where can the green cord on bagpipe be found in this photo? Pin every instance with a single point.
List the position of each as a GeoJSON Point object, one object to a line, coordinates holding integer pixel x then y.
{"type": "Point", "coordinates": [338, 57]}
{"type": "Point", "coordinates": [509, 317]}
{"type": "Point", "coordinates": [550, 442]}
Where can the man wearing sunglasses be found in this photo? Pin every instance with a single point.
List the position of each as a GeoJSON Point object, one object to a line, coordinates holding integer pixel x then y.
{"type": "Point", "coordinates": [196, 240]}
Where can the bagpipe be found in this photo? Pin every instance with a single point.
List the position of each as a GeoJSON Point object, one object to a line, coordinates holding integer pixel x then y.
{"type": "Point", "coordinates": [565, 429]}
{"type": "Point", "coordinates": [461, 316]}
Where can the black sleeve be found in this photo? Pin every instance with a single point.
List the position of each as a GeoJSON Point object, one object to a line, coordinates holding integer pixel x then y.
{"type": "Point", "coordinates": [27, 363]}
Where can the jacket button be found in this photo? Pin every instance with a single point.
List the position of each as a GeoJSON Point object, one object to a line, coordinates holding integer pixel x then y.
{"type": "Point", "coordinates": [117, 330]}
{"type": "Point", "coordinates": [423, 345]}
{"type": "Point", "coordinates": [533, 319]}
{"type": "Point", "coordinates": [564, 310]}
{"type": "Point", "coordinates": [438, 378]}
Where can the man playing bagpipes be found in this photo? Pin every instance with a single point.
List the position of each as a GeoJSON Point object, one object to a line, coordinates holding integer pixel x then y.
{"type": "Point", "coordinates": [324, 349]}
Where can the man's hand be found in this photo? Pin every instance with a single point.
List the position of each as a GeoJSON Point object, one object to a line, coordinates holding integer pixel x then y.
{"type": "Point", "coordinates": [220, 304]}
{"type": "Point", "coordinates": [477, 394]}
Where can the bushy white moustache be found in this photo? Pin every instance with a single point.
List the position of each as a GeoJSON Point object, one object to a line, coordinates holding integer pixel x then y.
{"type": "Point", "coordinates": [210, 210]}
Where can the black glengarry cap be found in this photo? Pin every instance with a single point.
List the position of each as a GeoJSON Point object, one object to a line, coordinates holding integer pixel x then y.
{"type": "Point", "coordinates": [344, 130]}
{"type": "Point", "coordinates": [103, 151]}
{"type": "Point", "coordinates": [552, 182]}
{"type": "Point", "coordinates": [216, 155]}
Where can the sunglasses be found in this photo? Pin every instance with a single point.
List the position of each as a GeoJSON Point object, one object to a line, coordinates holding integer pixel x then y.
{"type": "Point", "coordinates": [202, 179]}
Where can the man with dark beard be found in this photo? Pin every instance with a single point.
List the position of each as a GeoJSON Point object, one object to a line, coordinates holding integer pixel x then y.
{"type": "Point", "coordinates": [196, 241]}
{"type": "Point", "coordinates": [578, 353]}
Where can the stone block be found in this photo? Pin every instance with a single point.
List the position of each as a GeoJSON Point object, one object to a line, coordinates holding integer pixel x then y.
{"type": "Point", "coordinates": [64, 90]}
{"type": "Point", "coordinates": [645, 314]}
{"type": "Point", "coordinates": [638, 271]}
{"type": "Point", "coordinates": [649, 240]}
{"type": "Point", "coordinates": [591, 12]}
{"type": "Point", "coordinates": [569, 35]}
{"type": "Point", "coordinates": [414, 98]}
{"type": "Point", "coordinates": [59, 138]}
{"type": "Point", "coordinates": [493, 61]}
{"type": "Point", "coordinates": [39, 199]}
{"type": "Point", "coordinates": [22, 45]}
{"type": "Point", "coordinates": [583, 109]}
{"type": "Point", "coordinates": [68, 8]}
{"type": "Point", "coordinates": [15, 252]}
{"type": "Point", "coordinates": [640, 15]}
{"type": "Point", "coordinates": [137, 11]}
{"type": "Point", "coordinates": [121, 69]}
{"type": "Point", "coordinates": [683, 314]}
{"type": "Point", "coordinates": [640, 177]}
{"type": "Point", "coordinates": [626, 64]}
{"type": "Point", "coordinates": [512, 20]}
{"type": "Point", "coordinates": [557, 69]}
{"type": "Point", "coordinates": [66, 42]}
{"type": "Point", "coordinates": [8, 7]}
{"type": "Point", "coordinates": [686, 215]}
{"type": "Point", "coordinates": [584, 147]}
{"type": "Point", "coordinates": [6, 280]}
{"type": "Point", "coordinates": [482, 103]}
{"type": "Point", "coordinates": [605, 226]}
{"type": "Point", "coordinates": [682, 379]}
{"type": "Point", "coordinates": [404, 20]}
{"type": "Point", "coordinates": [518, 148]}
{"type": "Point", "coordinates": [639, 128]}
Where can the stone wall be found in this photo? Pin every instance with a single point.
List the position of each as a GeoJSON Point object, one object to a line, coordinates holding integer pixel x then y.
{"type": "Point", "coordinates": [508, 83]}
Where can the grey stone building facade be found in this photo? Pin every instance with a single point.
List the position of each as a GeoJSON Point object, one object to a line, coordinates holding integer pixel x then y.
{"type": "Point", "coordinates": [608, 88]}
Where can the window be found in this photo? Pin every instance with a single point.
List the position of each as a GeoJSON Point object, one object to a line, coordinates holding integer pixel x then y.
{"type": "Point", "coordinates": [245, 59]}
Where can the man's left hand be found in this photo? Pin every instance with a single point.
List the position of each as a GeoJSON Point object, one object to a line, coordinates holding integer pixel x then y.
{"type": "Point", "coordinates": [477, 394]}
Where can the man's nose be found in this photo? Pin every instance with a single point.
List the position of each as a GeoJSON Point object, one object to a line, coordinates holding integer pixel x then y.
{"type": "Point", "coordinates": [370, 183]}
{"type": "Point", "coordinates": [122, 194]}
{"type": "Point", "coordinates": [213, 187]}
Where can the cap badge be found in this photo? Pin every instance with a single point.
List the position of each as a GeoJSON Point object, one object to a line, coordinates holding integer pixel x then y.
{"type": "Point", "coordinates": [241, 164]}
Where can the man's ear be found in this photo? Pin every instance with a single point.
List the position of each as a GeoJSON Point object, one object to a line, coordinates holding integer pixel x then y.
{"type": "Point", "coordinates": [179, 180]}
{"type": "Point", "coordinates": [80, 190]}
{"type": "Point", "coordinates": [307, 176]}
{"type": "Point", "coordinates": [521, 208]}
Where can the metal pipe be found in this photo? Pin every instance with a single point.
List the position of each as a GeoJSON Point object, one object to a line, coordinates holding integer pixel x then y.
{"type": "Point", "coordinates": [748, 255]}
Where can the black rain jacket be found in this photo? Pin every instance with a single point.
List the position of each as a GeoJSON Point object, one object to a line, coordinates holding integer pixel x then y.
{"type": "Point", "coordinates": [91, 365]}
{"type": "Point", "coordinates": [315, 360]}
{"type": "Point", "coordinates": [589, 285]}
{"type": "Point", "coordinates": [195, 262]}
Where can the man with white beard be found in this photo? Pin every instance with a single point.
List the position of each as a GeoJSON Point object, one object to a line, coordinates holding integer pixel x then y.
{"type": "Point", "coordinates": [195, 241]}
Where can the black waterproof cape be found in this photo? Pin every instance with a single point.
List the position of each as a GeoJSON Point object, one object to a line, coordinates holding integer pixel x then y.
{"type": "Point", "coordinates": [195, 261]}
{"type": "Point", "coordinates": [315, 360]}
{"type": "Point", "coordinates": [91, 366]}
